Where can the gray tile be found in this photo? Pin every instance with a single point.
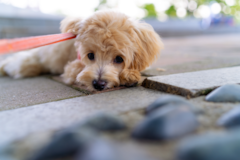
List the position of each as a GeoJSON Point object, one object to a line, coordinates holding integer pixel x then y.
{"type": "Point", "coordinates": [199, 65]}
{"type": "Point", "coordinates": [30, 91]}
{"type": "Point", "coordinates": [54, 115]}
{"type": "Point", "coordinates": [193, 84]}
{"type": "Point", "coordinates": [195, 53]}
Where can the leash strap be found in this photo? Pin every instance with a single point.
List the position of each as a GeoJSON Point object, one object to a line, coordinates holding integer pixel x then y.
{"type": "Point", "coordinates": [20, 44]}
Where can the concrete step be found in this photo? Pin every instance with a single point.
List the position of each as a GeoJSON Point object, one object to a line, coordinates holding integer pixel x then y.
{"type": "Point", "coordinates": [193, 84]}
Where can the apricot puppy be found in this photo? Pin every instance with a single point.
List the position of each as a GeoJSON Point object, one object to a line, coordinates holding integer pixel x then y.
{"type": "Point", "coordinates": [113, 49]}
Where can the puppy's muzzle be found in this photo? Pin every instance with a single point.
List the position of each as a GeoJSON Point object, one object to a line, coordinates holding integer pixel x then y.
{"type": "Point", "coordinates": [99, 84]}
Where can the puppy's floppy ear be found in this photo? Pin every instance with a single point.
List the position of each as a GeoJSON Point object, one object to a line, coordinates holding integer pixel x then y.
{"type": "Point", "coordinates": [148, 46]}
{"type": "Point", "coordinates": [70, 25]}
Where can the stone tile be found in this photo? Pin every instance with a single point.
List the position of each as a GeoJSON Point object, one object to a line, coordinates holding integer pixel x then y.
{"type": "Point", "coordinates": [30, 91]}
{"type": "Point", "coordinates": [193, 84]}
{"type": "Point", "coordinates": [187, 54]}
{"type": "Point", "coordinates": [54, 115]}
{"type": "Point", "coordinates": [202, 64]}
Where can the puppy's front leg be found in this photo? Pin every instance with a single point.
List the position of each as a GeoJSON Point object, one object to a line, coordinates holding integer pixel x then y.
{"type": "Point", "coordinates": [71, 70]}
{"type": "Point", "coordinates": [129, 77]}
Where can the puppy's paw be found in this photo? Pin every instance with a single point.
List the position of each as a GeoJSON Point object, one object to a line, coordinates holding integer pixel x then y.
{"type": "Point", "coordinates": [20, 65]}
{"type": "Point", "coordinates": [2, 65]}
{"type": "Point", "coordinates": [11, 67]}
{"type": "Point", "coordinates": [129, 78]}
{"type": "Point", "coordinates": [71, 70]}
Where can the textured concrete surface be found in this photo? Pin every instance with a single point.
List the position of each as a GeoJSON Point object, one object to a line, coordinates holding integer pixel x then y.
{"type": "Point", "coordinates": [54, 115]}
{"type": "Point", "coordinates": [30, 91]}
{"type": "Point", "coordinates": [202, 64]}
{"type": "Point", "coordinates": [187, 54]}
{"type": "Point", "coordinates": [193, 84]}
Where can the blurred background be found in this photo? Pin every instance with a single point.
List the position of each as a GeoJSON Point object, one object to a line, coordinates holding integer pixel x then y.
{"type": "Point", "coordinates": [20, 18]}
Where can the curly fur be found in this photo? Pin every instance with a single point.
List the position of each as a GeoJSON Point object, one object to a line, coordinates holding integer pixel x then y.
{"type": "Point", "coordinates": [107, 34]}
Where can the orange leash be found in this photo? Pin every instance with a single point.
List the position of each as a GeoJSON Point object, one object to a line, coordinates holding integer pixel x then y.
{"type": "Point", "coordinates": [19, 44]}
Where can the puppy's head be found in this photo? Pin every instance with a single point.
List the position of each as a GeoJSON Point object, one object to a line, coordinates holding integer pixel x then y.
{"type": "Point", "coordinates": [108, 43]}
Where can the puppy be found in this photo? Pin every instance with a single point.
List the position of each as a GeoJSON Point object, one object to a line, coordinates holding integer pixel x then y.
{"type": "Point", "coordinates": [110, 50]}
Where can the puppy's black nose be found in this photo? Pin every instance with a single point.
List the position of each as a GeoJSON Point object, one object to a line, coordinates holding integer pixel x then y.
{"type": "Point", "coordinates": [99, 84]}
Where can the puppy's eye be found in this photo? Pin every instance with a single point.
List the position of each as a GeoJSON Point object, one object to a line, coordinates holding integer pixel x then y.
{"type": "Point", "coordinates": [118, 59]}
{"type": "Point", "coordinates": [91, 56]}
